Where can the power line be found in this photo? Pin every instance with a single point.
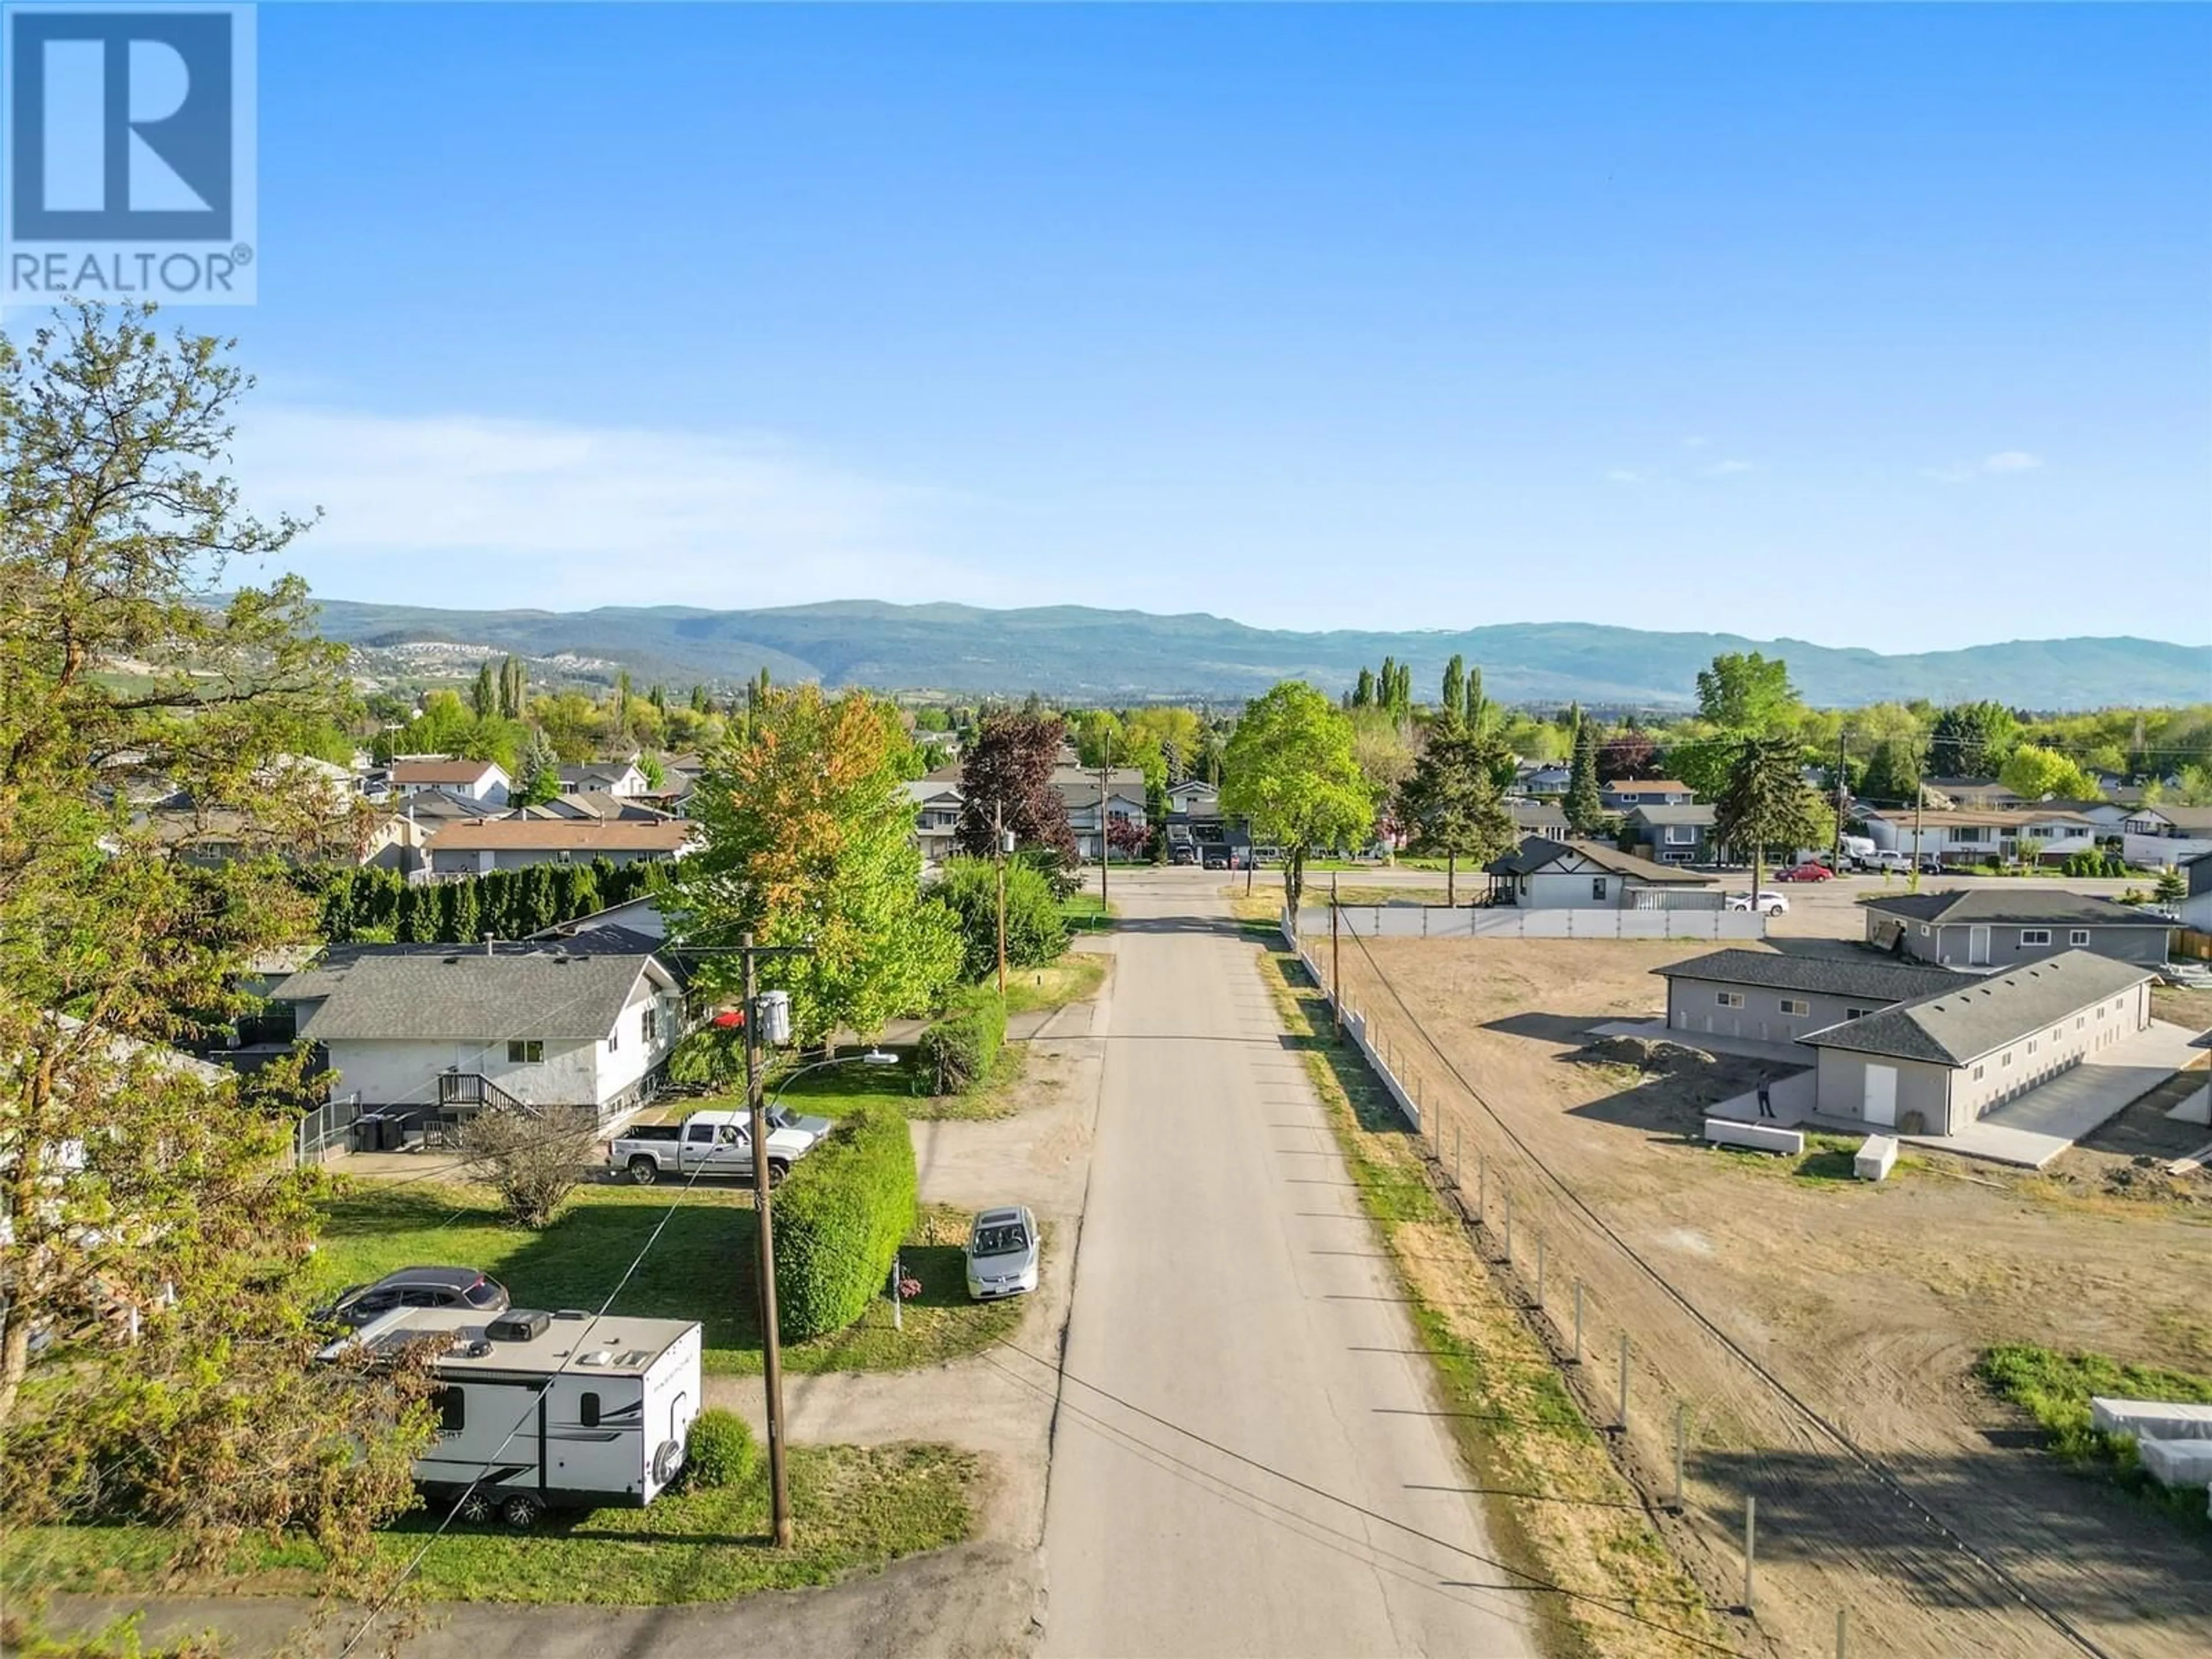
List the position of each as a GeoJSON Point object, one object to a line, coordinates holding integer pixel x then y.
{"type": "Point", "coordinates": [1866, 1460]}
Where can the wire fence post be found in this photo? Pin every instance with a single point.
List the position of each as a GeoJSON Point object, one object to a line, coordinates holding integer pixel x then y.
{"type": "Point", "coordinates": [1624, 1382]}
{"type": "Point", "coordinates": [1681, 1444]}
{"type": "Point", "coordinates": [1843, 1632]}
{"type": "Point", "coordinates": [1482, 1187]}
{"type": "Point", "coordinates": [1578, 1322]}
{"type": "Point", "coordinates": [1540, 1272]}
{"type": "Point", "coordinates": [1509, 1226]}
{"type": "Point", "coordinates": [1458, 1186]}
{"type": "Point", "coordinates": [1750, 1547]}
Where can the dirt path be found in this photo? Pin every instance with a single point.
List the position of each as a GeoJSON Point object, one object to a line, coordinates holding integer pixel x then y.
{"type": "Point", "coordinates": [1870, 1304]}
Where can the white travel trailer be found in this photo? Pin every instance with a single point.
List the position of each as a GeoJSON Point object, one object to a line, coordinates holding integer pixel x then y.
{"type": "Point", "coordinates": [543, 1411]}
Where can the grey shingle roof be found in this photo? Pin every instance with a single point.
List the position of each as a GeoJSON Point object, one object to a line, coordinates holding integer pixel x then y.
{"type": "Point", "coordinates": [568, 990]}
{"type": "Point", "coordinates": [1657, 814]}
{"type": "Point", "coordinates": [1980, 1015]}
{"type": "Point", "coordinates": [1535, 851]}
{"type": "Point", "coordinates": [2025, 902]}
{"type": "Point", "coordinates": [1844, 976]}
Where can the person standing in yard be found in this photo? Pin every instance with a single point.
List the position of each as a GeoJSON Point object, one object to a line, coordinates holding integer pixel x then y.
{"type": "Point", "coordinates": [1766, 1099]}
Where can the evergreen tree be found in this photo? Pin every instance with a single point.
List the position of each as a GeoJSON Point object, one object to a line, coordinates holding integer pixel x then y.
{"type": "Point", "coordinates": [336, 920]}
{"type": "Point", "coordinates": [658, 698]}
{"type": "Point", "coordinates": [1451, 803]}
{"type": "Point", "coordinates": [464, 925]}
{"type": "Point", "coordinates": [416, 920]}
{"type": "Point", "coordinates": [1766, 803]}
{"type": "Point", "coordinates": [1585, 809]}
{"type": "Point", "coordinates": [584, 897]}
{"type": "Point", "coordinates": [1454, 687]}
{"type": "Point", "coordinates": [699, 700]}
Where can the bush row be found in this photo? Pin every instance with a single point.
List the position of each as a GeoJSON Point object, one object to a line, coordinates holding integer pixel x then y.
{"type": "Point", "coordinates": [839, 1220]}
{"type": "Point", "coordinates": [958, 1049]}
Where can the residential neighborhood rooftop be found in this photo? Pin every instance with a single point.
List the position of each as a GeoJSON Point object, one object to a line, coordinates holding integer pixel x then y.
{"type": "Point", "coordinates": [1859, 975]}
{"type": "Point", "coordinates": [440, 771]}
{"type": "Point", "coordinates": [1537, 851]}
{"type": "Point", "coordinates": [460, 993]}
{"type": "Point", "coordinates": [2019, 901]}
{"type": "Point", "coordinates": [1978, 1015]}
{"type": "Point", "coordinates": [1997, 816]}
{"type": "Point", "coordinates": [583, 836]}
{"type": "Point", "coordinates": [1686, 812]}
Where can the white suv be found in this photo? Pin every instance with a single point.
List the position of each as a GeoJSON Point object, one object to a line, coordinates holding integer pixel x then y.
{"type": "Point", "coordinates": [1770, 902]}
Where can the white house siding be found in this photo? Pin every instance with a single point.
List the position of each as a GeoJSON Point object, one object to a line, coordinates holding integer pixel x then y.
{"type": "Point", "coordinates": [395, 1072]}
{"type": "Point", "coordinates": [622, 1065]}
{"type": "Point", "coordinates": [1600, 889]}
{"type": "Point", "coordinates": [1974, 843]}
{"type": "Point", "coordinates": [2161, 852]}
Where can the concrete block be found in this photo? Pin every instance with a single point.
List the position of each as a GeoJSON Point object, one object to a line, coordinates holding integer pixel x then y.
{"type": "Point", "coordinates": [1875, 1157]}
{"type": "Point", "coordinates": [2151, 1420]}
{"type": "Point", "coordinates": [2176, 1462]}
{"type": "Point", "coordinates": [1757, 1137]}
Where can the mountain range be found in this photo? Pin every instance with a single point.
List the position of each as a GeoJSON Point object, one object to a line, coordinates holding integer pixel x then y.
{"type": "Point", "coordinates": [1079, 652]}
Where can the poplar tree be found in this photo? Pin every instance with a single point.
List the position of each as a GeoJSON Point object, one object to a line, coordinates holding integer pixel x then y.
{"type": "Point", "coordinates": [1455, 686]}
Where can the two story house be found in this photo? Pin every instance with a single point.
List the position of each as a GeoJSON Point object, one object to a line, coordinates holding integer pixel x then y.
{"type": "Point", "coordinates": [1672, 835]}
{"type": "Point", "coordinates": [1626, 794]}
{"type": "Point", "coordinates": [485, 782]}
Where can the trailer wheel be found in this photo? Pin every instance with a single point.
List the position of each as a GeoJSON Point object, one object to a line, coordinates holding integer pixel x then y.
{"type": "Point", "coordinates": [644, 1171]}
{"type": "Point", "coordinates": [521, 1511]}
{"type": "Point", "coordinates": [667, 1461]}
{"type": "Point", "coordinates": [476, 1507]}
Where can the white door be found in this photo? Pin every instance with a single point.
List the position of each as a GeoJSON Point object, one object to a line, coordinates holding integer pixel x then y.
{"type": "Point", "coordinates": [1880, 1106]}
{"type": "Point", "coordinates": [1978, 947]}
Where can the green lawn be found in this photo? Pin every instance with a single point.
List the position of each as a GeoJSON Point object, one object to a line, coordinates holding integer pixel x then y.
{"type": "Point", "coordinates": [2054, 1387]}
{"type": "Point", "coordinates": [1085, 912]}
{"type": "Point", "coordinates": [1075, 977]}
{"type": "Point", "coordinates": [701, 1269]}
{"type": "Point", "coordinates": [856, 1507]}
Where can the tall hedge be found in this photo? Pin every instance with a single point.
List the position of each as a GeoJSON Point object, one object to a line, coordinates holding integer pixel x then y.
{"type": "Point", "coordinates": [956, 1049]}
{"type": "Point", "coordinates": [1036, 932]}
{"type": "Point", "coordinates": [839, 1220]}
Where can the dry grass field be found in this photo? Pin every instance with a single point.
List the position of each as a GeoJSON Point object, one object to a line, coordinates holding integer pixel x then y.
{"type": "Point", "coordinates": [1869, 1304]}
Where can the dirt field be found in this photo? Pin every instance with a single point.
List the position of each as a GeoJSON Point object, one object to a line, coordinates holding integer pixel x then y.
{"type": "Point", "coordinates": [1869, 1304]}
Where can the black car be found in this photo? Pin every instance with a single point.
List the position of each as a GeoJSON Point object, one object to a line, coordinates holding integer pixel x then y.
{"type": "Point", "coordinates": [1216, 858]}
{"type": "Point", "coordinates": [1182, 853]}
{"type": "Point", "coordinates": [416, 1287]}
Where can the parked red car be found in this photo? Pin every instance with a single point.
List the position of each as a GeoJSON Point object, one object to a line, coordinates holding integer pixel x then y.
{"type": "Point", "coordinates": [1806, 872]}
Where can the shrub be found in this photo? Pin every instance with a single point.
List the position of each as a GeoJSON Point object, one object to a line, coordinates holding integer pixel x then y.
{"type": "Point", "coordinates": [720, 1451]}
{"type": "Point", "coordinates": [1035, 931]}
{"type": "Point", "coordinates": [839, 1220]}
{"type": "Point", "coordinates": [710, 1057]}
{"type": "Point", "coordinates": [533, 1162]}
{"type": "Point", "coordinates": [958, 1048]}
{"type": "Point", "coordinates": [2116, 867]}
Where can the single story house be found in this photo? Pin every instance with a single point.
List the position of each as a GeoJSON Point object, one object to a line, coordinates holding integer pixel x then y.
{"type": "Point", "coordinates": [1546, 818]}
{"type": "Point", "coordinates": [602, 806]}
{"type": "Point", "coordinates": [2000, 927]}
{"type": "Point", "coordinates": [1587, 875]}
{"type": "Point", "coordinates": [2109, 815]}
{"type": "Point", "coordinates": [1933, 1066]}
{"type": "Point", "coordinates": [471, 780]}
{"type": "Point", "coordinates": [1672, 835]}
{"type": "Point", "coordinates": [1547, 779]}
{"type": "Point", "coordinates": [478, 849]}
{"type": "Point", "coordinates": [1981, 834]}
{"type": "Point", "coordinates": [1773, 998]}
{"type": "Point", "coordinates": [2196, 907]}
{"type": "Point", "coordinates": [2165, 837]}
{"type": "Point", "coordinates": [583, 1023]}
{"type": "Point", "coordinates": [614, 777]}
{"type": "Point", "coordinates": [1624, 794]}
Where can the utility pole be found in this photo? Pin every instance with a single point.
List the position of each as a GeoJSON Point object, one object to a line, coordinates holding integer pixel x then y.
{"type": "Point", "coordinates": [1335, 961]}
{"type": "Point", "coordinates": [999, 851]}
{"type": "Point", "coordinates": [1105, 845]}
{"type": "Point", "coordinates": [1843, 791]}
{"type": "Point", "coordinates": [1919, 797]}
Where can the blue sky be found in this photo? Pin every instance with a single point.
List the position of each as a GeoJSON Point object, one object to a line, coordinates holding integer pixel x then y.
{"type": "Point", "coordinates": [1882, 325]}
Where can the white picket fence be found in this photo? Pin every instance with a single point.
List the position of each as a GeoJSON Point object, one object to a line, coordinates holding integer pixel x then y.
{"type": "Point", "coordinates": [1510, 921]}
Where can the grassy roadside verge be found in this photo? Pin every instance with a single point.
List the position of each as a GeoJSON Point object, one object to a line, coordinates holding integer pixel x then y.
{"type": "Point", "coordinates": [1558, 1509]}
{"type": "Point", "coordinates": [857, 1509]}
{"type": "Point", "coordinates": [2054, 1387]}
{"type": "Point", "coordinates": [1075, 977]}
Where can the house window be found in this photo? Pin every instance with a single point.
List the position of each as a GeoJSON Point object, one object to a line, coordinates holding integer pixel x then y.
{"type": "Point", "coordinates": [1681, 835]}
{"type": "Point", "coordinates": [2035, 936]}
{"type": "Point", "coordinates": [1730, 999]}
{"type": "Point", "coordinates": [2079, 936]}
{"type": "Point", "coordinates": [1978, 1070]}
{"type": "Point", "coordinates": [651, 1023]}
{"type": "Point", "coordinates": [2005, 1059]}
{"type": "Point", "coordinates": [2030, 1045]}
{"type": "Point", "coordinates": [1857, 1013]}
{"type": "Point", "coordinates": [2101, 1010]}
{"type": "Point", "coordinates": [2081, 1021]}
{"type": "Point", "coordinates": [564, 855]}
{"type": "Point", "coordinates": [1598, 887]}
{"type": "Point", "coordinates": [587, 1410]}
{"type": "Point", "coordinates": [1923, 930]}
{"type": "Point", "coordinates": [453, 1407]}
{"type": "Point", "coordinates": [1792, 1006]}
{"type": "Point", "coordinates": [614, 1037]}
{"type": "Point", "coordinates": [524, 1051]}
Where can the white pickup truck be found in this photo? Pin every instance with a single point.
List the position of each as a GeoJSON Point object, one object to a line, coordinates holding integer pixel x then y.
{"type": "Point", "coordinates": [717, 1143]}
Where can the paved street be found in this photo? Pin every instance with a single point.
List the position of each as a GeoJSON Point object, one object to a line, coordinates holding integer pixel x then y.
{"type": "Point", "coordinates": [1247, 1458]}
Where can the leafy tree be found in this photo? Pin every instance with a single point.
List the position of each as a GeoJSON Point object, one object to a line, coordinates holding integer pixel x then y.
{"type": "Point", "coordinates": [1767, 804]}
{"type": "Point", "coordinates": [1383, 746]}
{"type": "Point", "coordinates": [1174, 732]}
{"type": "Point", "coordinates": [1036, 931]}
{"type": "Point", "coordinates": [531, 1167]}
{"type": "Point", "coordinates": [1292, 773]}
{"type": "Point", "coordinates": [483, 697]}
{"type": "Point", "coordinates": [1099, 739]}
{"type": "Point", "coordinates": [2038, 774]}
{"type": "Point", "coordinates": [1627, 753]}
{"type": "Point", "coordinates": [1009, 768]}
{"type": "Point", "coordinates": [513, 688]}
{"type": "Point", "coordinates": [2193, 787]}
{"type": "Point", "coordinates": [656, 774]}
{"type": "Point", "coordinates": [1454, 700]}
{"type": "Point", "coordinates": [1584, 809]}
{"type": "Point", "coordinates": [1477, 705]}
{"type": "Point", "coordinates": [807, 834]}
{"type": "Point", "coordinates": [1971, 740]}
{"type": "Point", "coordinates": [2028, 851]}
{"type": "Point", "coordinates": [1451, 803]}
{"type": "Point", "coordinates": [1892, 773]}
{"type": "Point", "coordinates": [145, 1193]}
{"type": "Point", "coordinates": [1363, 690]}
{"type": "Point", "coordinates": [1747, 693]}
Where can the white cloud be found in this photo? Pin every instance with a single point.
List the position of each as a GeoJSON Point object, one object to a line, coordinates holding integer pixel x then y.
{"type": "Point", "coordinates": [1695, 442]}
{"type": "Point", "coordinates": [472, 509]}
{"type": "Point", "coordinates": [2012, 460]}
{"type": "Point", "coordinates": [1621, 475]}
{"type": "Point", "coordinates": [1727, 469]}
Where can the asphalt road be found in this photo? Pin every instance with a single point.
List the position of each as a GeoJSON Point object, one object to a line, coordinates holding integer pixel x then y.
{"type": "Point", "coordinates": [1247, 1458]}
